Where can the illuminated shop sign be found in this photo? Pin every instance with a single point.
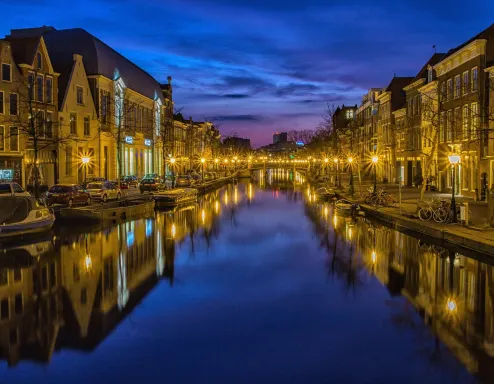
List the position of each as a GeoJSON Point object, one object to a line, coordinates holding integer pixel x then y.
{"type": "Point", "coordinates": [6, 174]}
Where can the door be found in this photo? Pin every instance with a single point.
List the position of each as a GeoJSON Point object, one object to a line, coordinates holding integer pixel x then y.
{"type": "Point", "coordinates": [409, 173]}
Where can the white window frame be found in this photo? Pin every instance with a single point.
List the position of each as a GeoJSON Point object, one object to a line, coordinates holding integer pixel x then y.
{"type": "Point", "coordinates": [70, 123]}
{"type": "Point", "coordinates": [457, 87]}
{"type": "Point", "coordinates": [450, 90]}
{"type": "Point", "coordinates": [475, 85]}
{"type": "Point", "coordinates": [51, 90]}
{"type": "Point", "coordinates": [42, 90]}
{"type": "Point", "coordinates": [465, 86]}
{"type": "Point", "coordinates": [88, 117]}
{"type": "Point", "coordinates": [2, 138]}
{"type": "Point", "coordinates": [39, 62]}
{"type": "Point", "coordinates": [77, 87]}
{"type": "Point", "coordinates": [14, 93]}
{"type": "Point", "coordinates": [464, 121]}
{"type": "Point", "coordinates": [10, 139]}
{"type": "Point", "coordinates": [10, 75]}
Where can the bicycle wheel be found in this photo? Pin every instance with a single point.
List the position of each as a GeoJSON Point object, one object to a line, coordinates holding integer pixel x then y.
{"type": "Point", "coordinates": [374, 200]}
{"type": "Point", "coordinates": [368, 198]}
{"type": "Point", "coordinates": [392, 201]}
{"type": "Point", "coordinates": [440, 215]}
{"type": "Point", "coordinates": [425, 214]}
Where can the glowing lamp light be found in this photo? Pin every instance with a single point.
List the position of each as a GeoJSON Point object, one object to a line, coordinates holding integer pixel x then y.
{"type": "Point", "coordinates": [216, 160]}
{"type": "Point", "coordinates": [451, 305]}
{"type": "Point", "coordinates": [88, 263]}
{"type": "Point", "coordinates": [375, 159]}
{"type": "Point", "coordinates": [326, 160]}
{"type": "Point", "coordinates": [454, 159]}
{"type": "Point", "coordinates": [174, 231]}
{"type": "Point", "coordinates": [203, 160]}
{"type": "Point", "coordinates": [85, 159]}
{"type": "Point", "coordinates": [226, 160]}
{"type": "Point", "coordinates": [172, 160]}
{"type": "Point", "coordinates": [335, 160]}
{"type": "Point", "coordinates": [373, 257]}
{"type": "Point", "coordinates": [203, 216]}
{"type": "Point", "coordinates": [350, 160]}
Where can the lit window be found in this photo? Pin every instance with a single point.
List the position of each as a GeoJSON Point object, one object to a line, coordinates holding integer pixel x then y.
{"type": "Point", "coordinates": [457, 86]}
{"type": "Point", "coordinates": [465, 82]}
{"type": "Point", "coordinates": [465, 122]}
{"type": "Point", "coordinates": [475, 74]}
{"type": "Point", "coordinates": [450, 89]}
{"type": "Point", "coordinates": [73, 123]}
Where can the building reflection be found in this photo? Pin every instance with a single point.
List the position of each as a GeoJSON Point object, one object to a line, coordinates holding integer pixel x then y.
{"type": "Point", "coordinates": [453, 293]}
{"type": "Point", "coordinates": [71, 291]}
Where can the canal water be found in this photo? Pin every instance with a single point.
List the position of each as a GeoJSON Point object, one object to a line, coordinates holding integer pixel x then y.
{"type": "Point", "coordinates": [257, 283]}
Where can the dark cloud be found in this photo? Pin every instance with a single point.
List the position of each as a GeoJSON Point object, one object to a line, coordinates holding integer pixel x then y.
{"type": "Point", "coordinates": [236, 96]}
{"type": "Point", "coordinates": [238, 118]}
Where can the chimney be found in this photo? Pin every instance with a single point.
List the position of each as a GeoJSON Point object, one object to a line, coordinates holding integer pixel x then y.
{"type": "Point", "coordinates": [169, 78]}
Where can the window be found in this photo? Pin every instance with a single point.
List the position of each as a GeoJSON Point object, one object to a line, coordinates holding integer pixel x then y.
{"type": "Point", "coordinates": [4, 277]}
{"type": "Point", "coordinates": [442, 127]}
{"type": "Point", "coordinates": [49, 125]}
{"type": "Point", "coordinates": [68, 161]}
{"type": "Point", "coordinates": [2, 106]}
{"type": "Point", "coordinates": [17, 274]}
{"type": "Point", "coordinates": [475, 75]}
{"type": "Point", "coordinates": [2, 138]}
{"type": "Point", "coordinates": [76, 272]}
{"type": "Point", "coordinates": [457, 86]}
{"type": "Point", "coordinates": [6, 72]}
{"type": "Point", "coordinates": [429, 74]}
{"type": "Point", "coordinates": [450, 89]}
{"type": "Point", "coordinates": [449, 136]}
{"type": "Point", "coordinates": [13, 108]}
{"type": "Point", "coordinates": [465, 82]}
{"type": "Point", "coordinates": [14, 139]}
{"type": "Point", "coordinates": [80, 95]}
{"type": "Point", "coordinates": [457, 123]}
{"type": "Point", "coordinates": [465, 129]}
{"type": "Point", "coordinates": [87, 126]}
{"type": "Point", "coordinates": [39, 60]}
{"type": "Point", "coordinates": [73, 123]}
{"type": "Point", "coordinates": [4, 309]}
{"type": "Point", "coordinates": [49, 90]}
{"type": "Point", "coordinates": [349, 114]}
{"type": "Point", "coordinates": [84, 296]}
{"type": "Point", "coordinates": [40, 123]}
{"type": "Point", "coordinates": [443, 91]}
{"type": "Point", "coordinates": [30, 85]}
{"type": "Point", "coordinates": [475, 118]}
{"type": "Point", "coordinates": [18, 304]}
{"type": "Point", "coordinates": [39, 88]}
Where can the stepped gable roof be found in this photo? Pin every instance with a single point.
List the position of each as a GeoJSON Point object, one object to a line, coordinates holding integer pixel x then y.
{"type": "Point", "coordinates": [98, 58]}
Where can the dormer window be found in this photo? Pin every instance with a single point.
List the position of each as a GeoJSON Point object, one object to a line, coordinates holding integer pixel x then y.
{"type": "Point", "coordinates": [39, 61]}
{"type": "Point", "coordinates": [429, 75]}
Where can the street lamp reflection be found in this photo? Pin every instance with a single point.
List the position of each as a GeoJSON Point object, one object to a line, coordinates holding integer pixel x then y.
{"type": "Point", "coordinates": [451, 305]}
{"type": "Point", "coordinates": [174, 231]}
{"type": "Point", "coordinates": [88, 263]}
{"type": "Point", "coordinates": [373, 257]}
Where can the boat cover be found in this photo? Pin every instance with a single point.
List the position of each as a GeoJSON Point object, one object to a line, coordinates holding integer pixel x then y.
{"type": "Point", "coordinates": [14, 209]}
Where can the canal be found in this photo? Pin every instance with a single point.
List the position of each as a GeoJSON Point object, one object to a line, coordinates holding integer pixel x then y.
{"type": "Point", "coordinates": [256, 283]}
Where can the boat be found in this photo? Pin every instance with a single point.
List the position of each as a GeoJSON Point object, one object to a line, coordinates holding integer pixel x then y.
{"type": "Point", "coordinates": [22, 215]}
{"type": "Point", "coordinates": [325, 193]}
{"type": "Point", "coordinates": [345, 207]}
{"type": "Point", "coordinates": [116, 210]}
{"type": "Point", "coordinates": [175, 197]}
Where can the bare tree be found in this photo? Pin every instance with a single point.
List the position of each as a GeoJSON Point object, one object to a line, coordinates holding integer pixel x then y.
{"type": "Point", "coordinates": [32, 122]}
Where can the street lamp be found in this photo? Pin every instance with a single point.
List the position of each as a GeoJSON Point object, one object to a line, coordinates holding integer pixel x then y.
{"type": "Point", "coordinates": [375, 159]}
{"type": "Point", "coordinates": [350, 164]}
{"type": "Point", "coordinates": [172, 162]}
{"type": "Point", "coordinates": [203, 160]}
{"type": "Point", "coordinates": [337, 180]}
{"type": "Point", "coordinates": [85, 162]}
{"type": "Point", "coordinates": [453, 160]}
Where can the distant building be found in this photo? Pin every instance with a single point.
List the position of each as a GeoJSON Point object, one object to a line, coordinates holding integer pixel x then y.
{"type": "Point", "coordinates": [280, 137]}
{"type": "Point", "coordinates": [235, 145]}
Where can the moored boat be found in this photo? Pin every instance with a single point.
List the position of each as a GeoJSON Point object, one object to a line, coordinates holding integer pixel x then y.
{"type": "Point", "coordinates": [118, 210]}
{"type": "Point", "coordinates": [22, 215]}
{"type": "Point", "coordinates": [175, 197]}
{"type": "Point", "coordinates": [325, 193]}
{"type": "Point", "coordinates": [345, 207]}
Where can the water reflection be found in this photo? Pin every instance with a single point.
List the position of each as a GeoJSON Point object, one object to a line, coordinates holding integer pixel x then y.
{"type": "Point", "coordinates": [452, 293]}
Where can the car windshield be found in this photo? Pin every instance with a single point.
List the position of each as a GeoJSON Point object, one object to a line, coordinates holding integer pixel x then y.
{"type": "Point", "coordinates": [4, 189]}
{"type": "Point", "coordinates": [94, 186]}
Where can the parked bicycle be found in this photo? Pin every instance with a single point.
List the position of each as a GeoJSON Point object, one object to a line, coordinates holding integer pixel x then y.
{"type": "Point", "coordinates": [380, 198]}
{"type": "Point", "coordinates": [439, 210]}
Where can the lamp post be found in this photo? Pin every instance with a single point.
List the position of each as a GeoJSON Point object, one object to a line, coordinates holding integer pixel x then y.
{"type": "Point", "coordinates": [453, 160]}
{"type": "Point", "coordinates": [85, 162]}
{"type": "Point", "coordinates": [335, 161]}
{"type": "Point", "coordinates": [172, 163]}
{"type": "Point", "coordinates": [375, 159]}
{"type": "Point", "coordinates": [350, 164]}
{"type": "Point", "coordinates": [203, 160]}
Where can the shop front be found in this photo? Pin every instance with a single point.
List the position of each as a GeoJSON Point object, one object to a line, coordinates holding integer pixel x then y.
{"type": "Point", "coordinates": [11, 169]}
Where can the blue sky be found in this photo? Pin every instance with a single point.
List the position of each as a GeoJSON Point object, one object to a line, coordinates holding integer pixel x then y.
{"type": "Point", "coordinates": [258, 66]}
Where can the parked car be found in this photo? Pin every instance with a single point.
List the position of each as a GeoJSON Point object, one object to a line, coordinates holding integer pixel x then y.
{"type": "Point", "coordinates": [151, 184]}
{"type": "Point", "coordinates": [67, 194]}
{"type": "Point", "coordinates": [12, 189]}
{"type": "Point", "coordinates": [104, 191]}
{"type": "Point", "coordinates": [132, 181]}
{"type": "Point", "coordinates": [184, 181]}
{"type": "Point", "coordinates": [151, 176]}
{"type": "Point", "coordinates": [123, 184]}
